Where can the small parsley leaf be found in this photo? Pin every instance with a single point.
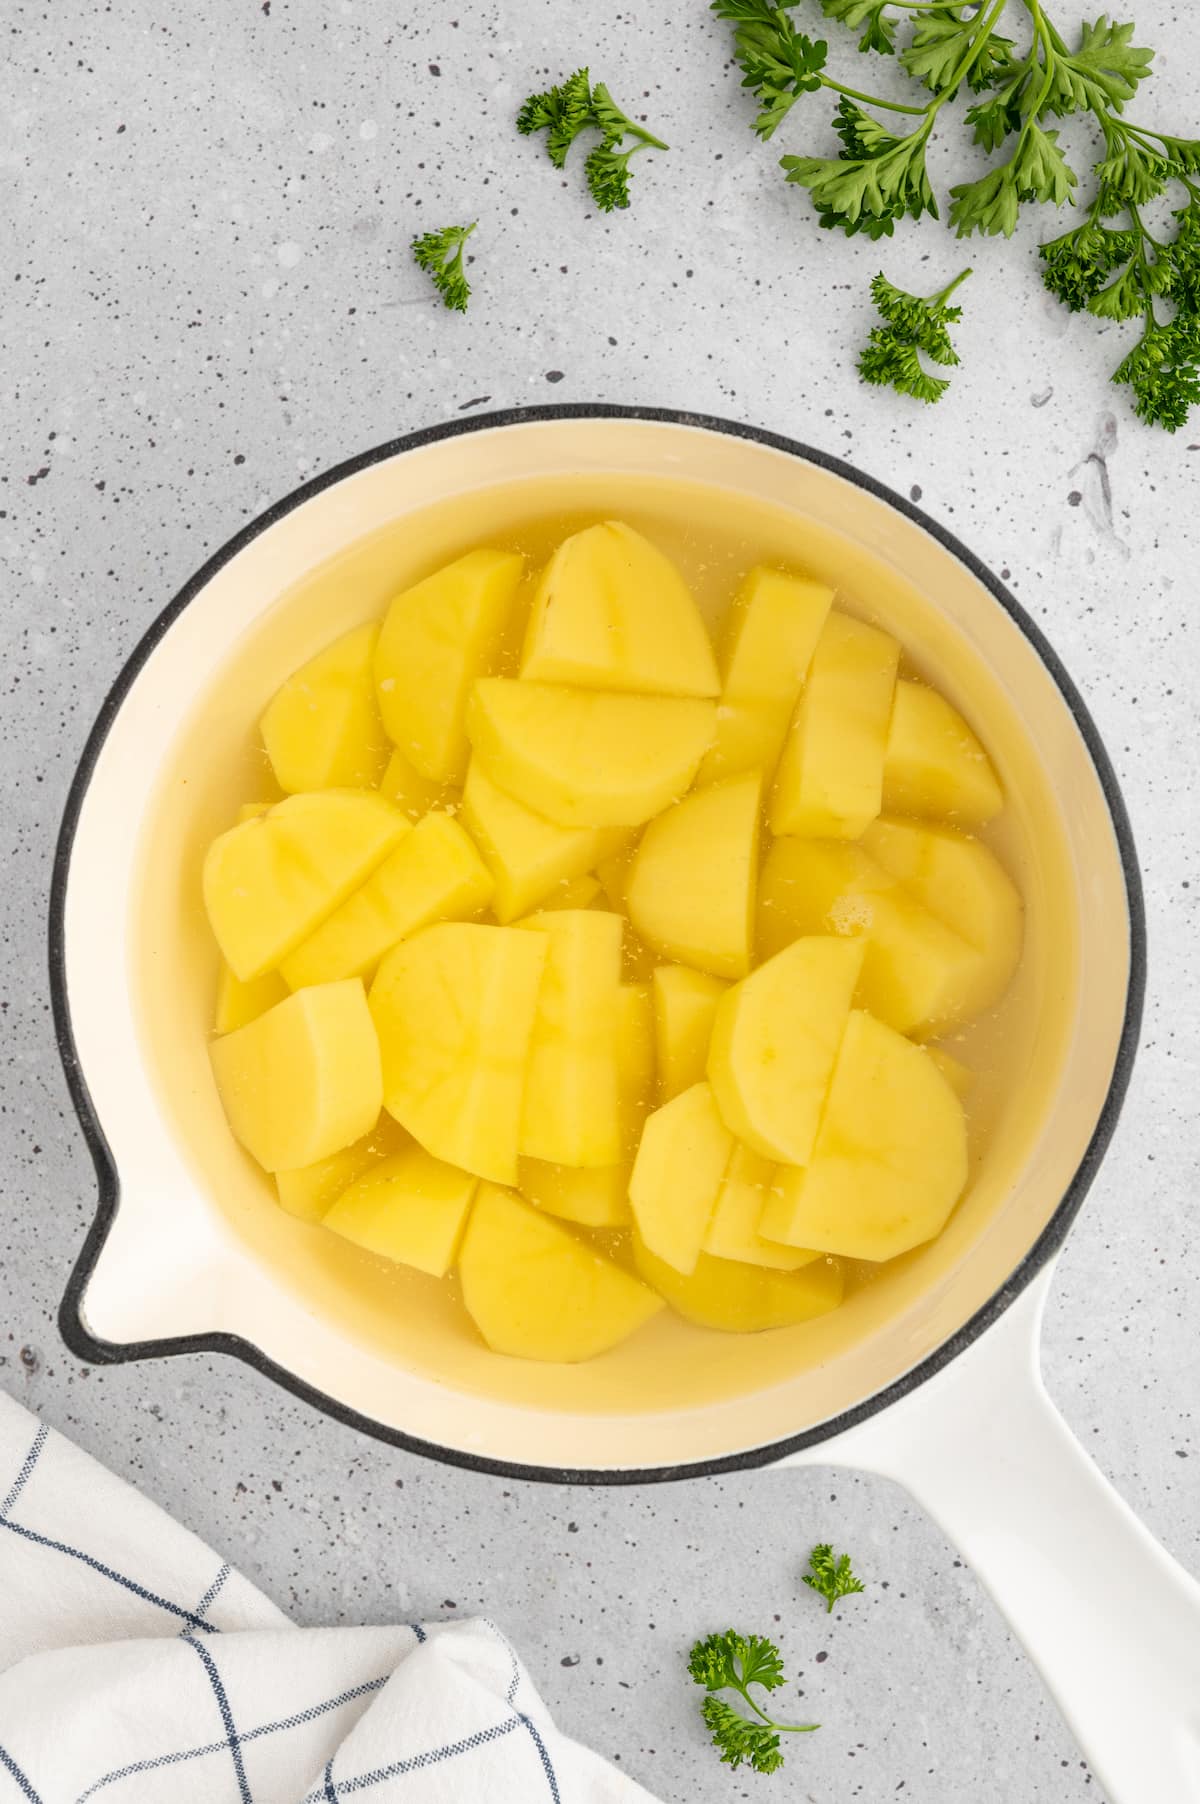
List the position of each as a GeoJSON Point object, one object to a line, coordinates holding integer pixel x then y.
{"type": "Point", "coordinates": [778, 63]}
{"type": "Point", "coordinates": [834, 1578]}
{"type": "Point", "coordinates": [440, 254]}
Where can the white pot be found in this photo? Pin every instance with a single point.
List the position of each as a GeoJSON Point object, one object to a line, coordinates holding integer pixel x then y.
{"type": "Point", "coordinates": [930, 1375]}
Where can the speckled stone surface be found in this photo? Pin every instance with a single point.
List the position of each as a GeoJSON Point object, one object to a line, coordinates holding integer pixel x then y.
{"type": "Point", "coordinates": [205, 297]}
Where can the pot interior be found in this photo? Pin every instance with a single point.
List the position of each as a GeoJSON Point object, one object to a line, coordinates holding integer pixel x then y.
{"type": "Point", "coordinates": [199, 1244]}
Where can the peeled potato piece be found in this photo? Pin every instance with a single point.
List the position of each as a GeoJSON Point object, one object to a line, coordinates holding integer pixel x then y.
{"type": "Point", "coordinates": [743, 1299]}
{"type": "Point", "coordinates": [240, 1003]}
{"type": "Point", "coordinates": [890, 1159]}
{"type": "Point", "coordinates": [611, 612]}
{"type": "Point", "coordinates": [690, 893]}
{"type": "Point", "coordinates": [570, 1111]}
{"type": "Point", "coordinates": [310, 1191]}
{"type": "Point", "coordinates": [684, 1150]}
{"type": "Point", "coordinates": [585, 758]}
{"type": "Point", "coordinates": [536, 1292]}
{"type": "Point", "coordinates": [963, 883]}
{"type": "Point", "coordinates": [829, 784]}
{"type": "Point", "coordinates": [454, 1009]}
{"type": "Point", "coordinates": [434, 874]}
{"type": "Point", "coordinates": [774, 625]}
{"type": "Point", "coordinates": [304, 1079]}
{"type": "Point", "coordinates": [685, 1006]}
{"type": "Point", "coordinates": [437, 637]}
{"type": "Point", "coordinates": [917, 975]}
{"type": "Point", "coordinates": [774, 1042]}
{"type": "Point", "coordinates": [732, 1231]}
{"type": "Point", "coordinates": [322, 730]}
{"type": "Point", "coordinates": [934, 766]}
{"type": "Point", "coordinates": [411, 1208]}
{"type": "Point", "coordinates": [529, 857]}
{"type": "Point", "coordinates": [595, 1196]}
{"type": "Point", "coordinates": [271, 880]}
{"type": "Point", "coordinates": [414, 795]}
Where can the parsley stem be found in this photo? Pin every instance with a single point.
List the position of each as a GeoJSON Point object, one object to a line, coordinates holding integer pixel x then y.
{"type": "Point", "coordinates": [894, 106]}
{"type": "Point", "coordinates": [786, 1728]}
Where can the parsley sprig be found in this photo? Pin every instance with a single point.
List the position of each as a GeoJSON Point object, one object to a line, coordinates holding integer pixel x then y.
{"type": "Point", "coordinates": [440, 254]}
{"type": "Point", "coordinates": [575, 106]}
{"type": "Point", "coordinates": [912, 325]}
{"type": "Point", "coordinates": [1112, 263]}
{"type": "Point", "coordinates": [733, 1662]}
{"type": "Point", "coordinates": [833, 1578]}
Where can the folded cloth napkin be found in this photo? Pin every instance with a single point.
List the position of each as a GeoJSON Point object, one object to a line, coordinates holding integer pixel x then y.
{"type": "Point", "coordinates": [136, 1667]}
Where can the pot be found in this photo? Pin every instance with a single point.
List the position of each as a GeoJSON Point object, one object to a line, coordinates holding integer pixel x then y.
{"type": "Point", "coordinates": [929, 1375]}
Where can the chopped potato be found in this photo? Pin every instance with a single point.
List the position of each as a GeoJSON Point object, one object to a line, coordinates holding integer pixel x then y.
{"type": "Point", "coordinates": [685, 1006]}
{"type": "Point", "coordinates": [403, 784]}
{"type": "Point", "coordinates": [303, 1080]}
{"type": "Point", "coordinates": [434, 874]}
{"type": "Point", "coordinates": [743, 1299]}
{"type": "Point", "coordinates": [454, 1008]}
{"type": "Point", "coordinates": [774, 1041]}
{"type": "Point", "coordinates": [411, 1208]}
{"type": "Point", "coordinates": [829, 784]}
{"type": "Point", "coordinates": [437, 637]}
{"type": "Point", "coordinates": [534, 1291]}
{"type": "Point", "coordinates": [773, 628]}
{"type": "Point", "coordinates": [584, 758]}
{"type": "Point", "coordinates": [271, 880]}
{"type": "Point", "coordinates": [917, 975]}
{"type": "Point", "coordinates": [732, 1232]}
{"type": "Point", "coordinates": [595, 1196]}
{"type": "Point", "coordinates": [529, 857]}
{"type": "Point", "coordinates": [310, 1191]}
{"type": "Point", "coordinates": [890, 1159]}
{"type": "Point", "coordinates": [240, 1003]}
{"type": "Point", "coordinates": [684, 1150]}
{"type": "Point", "coordinates": [322, 730]}
{"type": "Point", "coordinates": [611, 612]}
{"type": "Point", "coordinates": [934, 766]}
{"type": "Point", "coordinates": [691, 891]}
{"type": "Point", "coordinates": [570, 1111]}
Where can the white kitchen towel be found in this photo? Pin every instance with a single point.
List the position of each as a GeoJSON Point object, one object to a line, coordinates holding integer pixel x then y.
{"type": "Point", "coordinates": [136, 1667]}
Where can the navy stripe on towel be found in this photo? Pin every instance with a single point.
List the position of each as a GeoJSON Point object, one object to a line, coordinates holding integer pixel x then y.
{"type": "Point", "coordinates": [10, 1766]}
{"type": "Point", "coordinates": [231, 1735]}
{"type": "Point", "coordinates": [118, 1578]}
{"type": "Point", "coordinates": [31, 1460]}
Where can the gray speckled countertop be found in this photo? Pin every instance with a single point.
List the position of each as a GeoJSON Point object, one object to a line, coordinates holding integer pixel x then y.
{"type": "Point", "coordinates": [206, 297]}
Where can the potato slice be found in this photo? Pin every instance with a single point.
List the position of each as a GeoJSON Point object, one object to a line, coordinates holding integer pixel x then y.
{"type": "Point", "coordinates": [584, 758]}
{"type": "Point", "coordinates": [829, 784]}
{"type": "Point", "coordinates": [635, 1061]}
{"type": "Point", "coordinates": [414, 795]}
{"type": "Point", "coordinates": [964, 884]}
{"type": "Point", "coordinates": [303, 1080]}
{"type": "Point", "coordinates": [436, 639]}
{"type": "Point", "coordinates": [454, 1009]}
{"type": "Point", "coordinates": [917, 975]}
{"type": "Point", "coordinates": [934, 766]}
{"type": "Point", "coordinates": [271, 880]}
{"type": "Point", "coordinates": [890, 1159]}
{"type": "Point", "coordinates": [743, 1299]}
{"type": "Point", "coordinates": [684, 1150]}
{"type": "Point", "coordinates": [570, 1111]}
{"type": "Point", "coordinates": [595, 1196]}
{"type": "Point", "coordinates": [685, 1006]}
{"type": "Point", "coordinates": [575, 892]}
{"type": "Point", "coordinates": [310, 1191]}
{"type": "Point", "coordinates": [240, 1003]}
{"type": "Point", "coordinates": [770, 636]}
{"type": "Point", "coordinates": [690, 893]}
{"type": "Point", "coordinates": [611, 612]}
{"type": "Point", "coordinates": [529, 857]}
{"type": "Point", "coordinates": [774, 1042]}
{"type": "Point", "coordinates": [536, 1292]}
{"type": "Point", "coordinates": [322, 730]}
{"type": "Point", "coordinates": [434, 874]}
{"type": "Point", "coordinates": [411, 1208]}
{"type": "Point", "coordinates": [732, 1232]}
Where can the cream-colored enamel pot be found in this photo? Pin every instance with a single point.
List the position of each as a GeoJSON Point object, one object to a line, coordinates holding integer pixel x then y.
{"type": "Point", "coordinates": [930, 1374]}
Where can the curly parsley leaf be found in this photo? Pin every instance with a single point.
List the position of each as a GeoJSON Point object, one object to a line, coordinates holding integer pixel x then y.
{"type": "Point", "coordinates": [879, 177]}
{"type": "Point", "coordinates": [562, 113]}
{"type": "Point", "coordinates": [778, 63]}
{"type": "Point", "coordinates": [1037, 170]}
{"type": "Point", "coordinates": [833, 1578]}
{"type": "Point", "coordinates": [575, 106]}
{"type": "Point", "coordinates": [440, 254]}
{"type": "Point", "coordinates": [733, 1662]}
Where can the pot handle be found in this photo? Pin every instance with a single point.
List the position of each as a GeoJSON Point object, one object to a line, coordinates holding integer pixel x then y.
{"type": "Point", "coordinates": [1110, 1619]}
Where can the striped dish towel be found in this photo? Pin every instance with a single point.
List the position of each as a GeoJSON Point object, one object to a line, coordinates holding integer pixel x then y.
{"type": "Point", "coordinates": [138, 1668]}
